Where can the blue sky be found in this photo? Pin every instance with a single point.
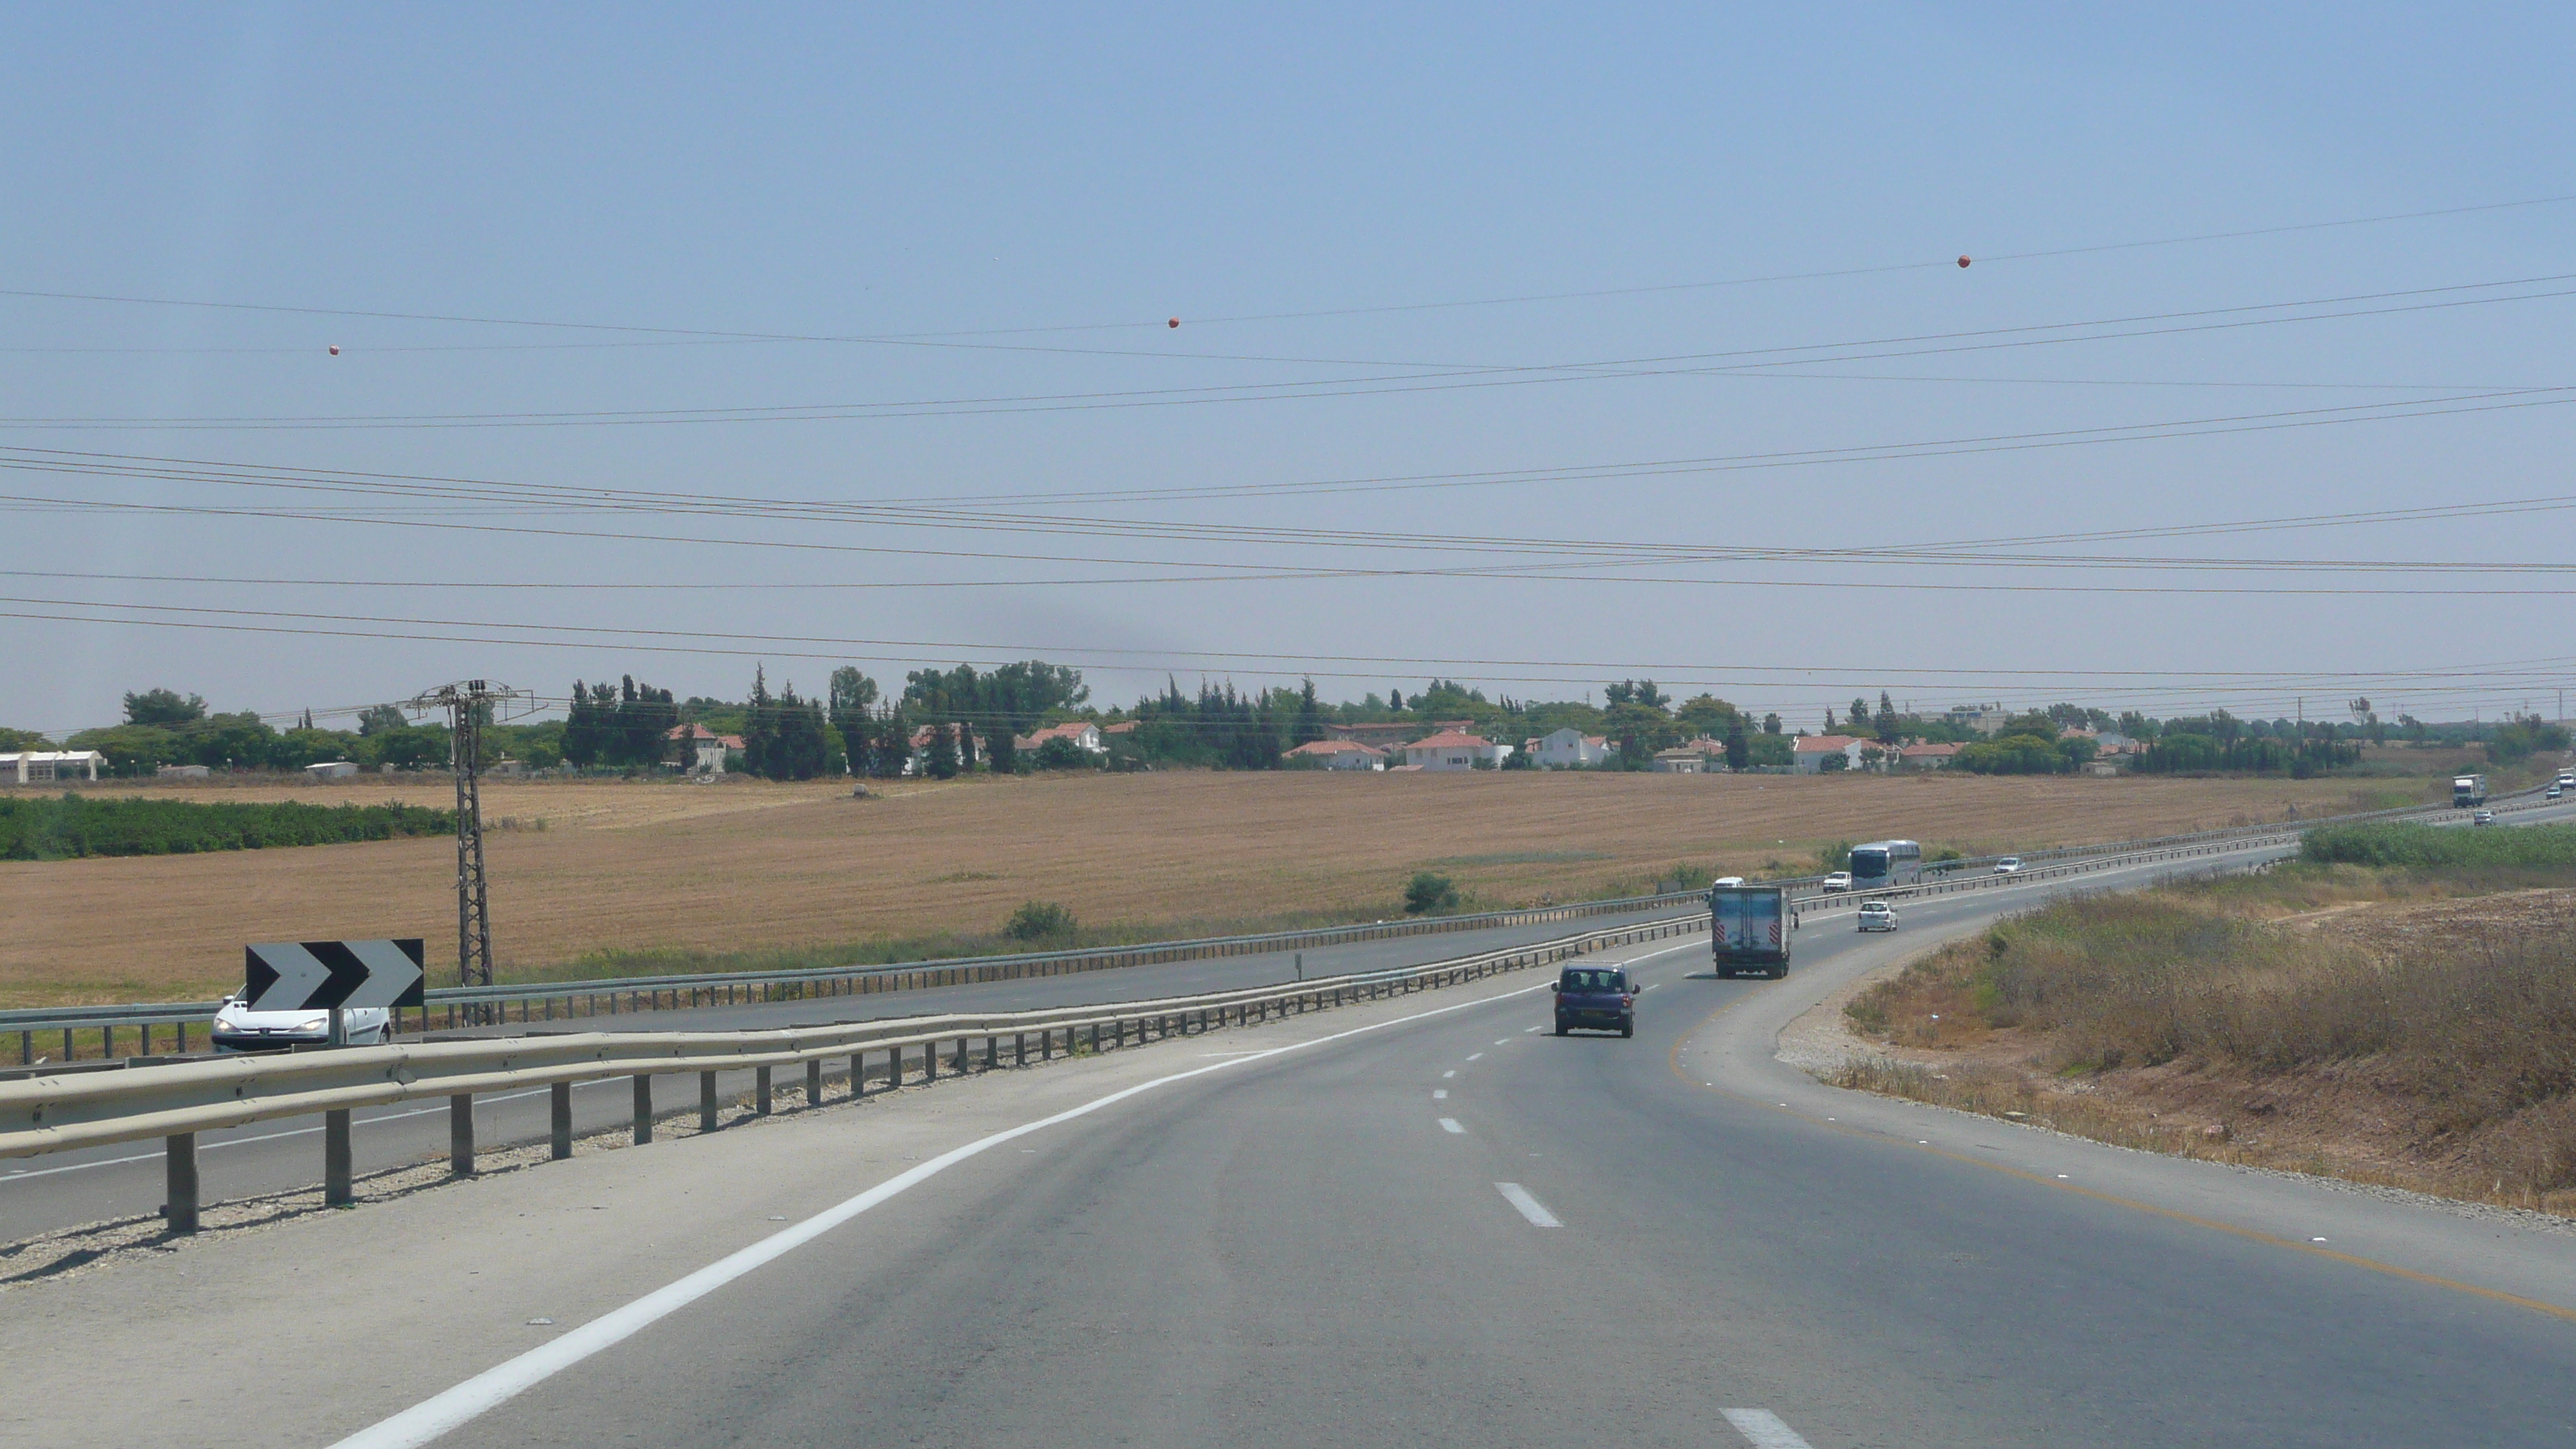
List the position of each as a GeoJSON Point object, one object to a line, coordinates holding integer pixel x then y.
{"type": "Point", "coordinates": [949, 183]}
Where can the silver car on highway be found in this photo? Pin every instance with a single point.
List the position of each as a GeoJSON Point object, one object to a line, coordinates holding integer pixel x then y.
{"type": "Point", "coordinates": [240, 1029]}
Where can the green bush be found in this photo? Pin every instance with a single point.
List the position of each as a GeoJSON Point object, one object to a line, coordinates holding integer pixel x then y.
{"type": "Point", "coordinates": [1426, 893]}
{"type": "Point", "coordinates": [1039, 921]}
{"type": "Point", "coordinates": [2426, 847]}
{"type": "Point", "coordinates": [73, 826]}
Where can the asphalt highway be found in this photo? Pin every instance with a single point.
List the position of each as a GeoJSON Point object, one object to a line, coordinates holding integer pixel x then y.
{"type": "Point", "coordinates": [67, 1189]}
{"type": "Point", "coordinates": [1461, 1229]}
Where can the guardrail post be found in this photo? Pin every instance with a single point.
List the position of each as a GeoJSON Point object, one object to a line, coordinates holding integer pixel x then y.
{"type": "Point", "coordinates": [813, 1081]}
{"type": "Point", "coordinates": [560, 1101]}
{"type": "Point", "coordinates": [643, 1109]}
{"type": "Point", "coordinates": [706, 1101]}
{"type": "Point", "coordinates": [929, 1061]}
{"type": "Point", "coordinates": [992, 1052]}
{"type": "Point", "coordinates": [460, 1134]}
{"type": "Point", "coordinates": [336, 1187]}
{"type": "Point", "coordinates": [760, 1095]}
{"type": "Point", "coordinates": [961, 1056]}
{"type": "Point", "coordinates": [179, 1181]}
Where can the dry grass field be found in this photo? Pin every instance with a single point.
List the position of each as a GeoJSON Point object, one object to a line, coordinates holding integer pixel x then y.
{"type": "Point", "coordinates": [587, 866]}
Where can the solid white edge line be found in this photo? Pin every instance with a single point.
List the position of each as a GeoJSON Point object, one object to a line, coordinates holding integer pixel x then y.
{"type": "Point", "coordinates": [1450, 1124]}
{"type": "Point", "coordinates": [1763, 1429]}
{"type": "Point", "coordinates": [1530, 1207]}
{"type": "Point", "coordinates": [435, 1415]}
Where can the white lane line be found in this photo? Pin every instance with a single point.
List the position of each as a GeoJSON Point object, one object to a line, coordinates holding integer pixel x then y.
{"type": "Point", "coordinates": [1507, 1041]}
{"type": "Point", "coordinates": [1450, 1073]}
{"type": "Point", "coordinates": [1530, 1207]}
{"type": "Point", "coordinates": [1763, 1429]}
{"type": "Point", "coordinates": [1450, 1124]}
{"type": "Point", "coordinates": [1440, 1094]}
{"type": "Point", "coordinates": [435, 1415]}
{"type": "Point", "coordinates": [1471, 1056]}
{"type": "Point", "coordinates": [1527, 1030]}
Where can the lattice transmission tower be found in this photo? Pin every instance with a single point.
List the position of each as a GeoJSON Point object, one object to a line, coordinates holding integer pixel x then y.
{"type": "Point", "coordinates": [470, 706]}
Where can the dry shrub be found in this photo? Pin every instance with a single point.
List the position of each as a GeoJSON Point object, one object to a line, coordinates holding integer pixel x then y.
{"type": "Point", "coordinates": [2476, 1031]}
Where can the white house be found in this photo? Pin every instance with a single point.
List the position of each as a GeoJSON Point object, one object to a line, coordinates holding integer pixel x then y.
{"type": "Point", "coordinates": [1454, 750]}
{"type": "Point", "coordinates": [1338, 755]}
{"type": "Point", "coordinates": [1812, 751]}
{"type": "Point", "coordinates": [1082, 734]}
{"type": "Point", "coordinates": [1567, 748]}
{"type": "Point", "coordinates": [28, 767]}
{"type": "Point", "coordinates": [1680, 762]}
{"type": "Point", "coordinates": [330, 770]}
{"type": "Point", "coordinates": [702, 750]}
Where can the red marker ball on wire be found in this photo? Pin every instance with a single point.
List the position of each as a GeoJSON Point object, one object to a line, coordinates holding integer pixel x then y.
{"type": "Point", "coordinates": [1175, 322]}
{"type": "Point", "coordinates": [1963, 261]}
{"type": "Point", "coordinates": [335, 349]}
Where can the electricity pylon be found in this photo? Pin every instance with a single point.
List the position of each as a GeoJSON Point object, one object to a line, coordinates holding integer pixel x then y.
{"type": "Point", "coordinates": [470, 706]}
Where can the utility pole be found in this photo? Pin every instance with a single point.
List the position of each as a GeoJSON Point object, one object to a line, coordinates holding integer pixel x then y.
{"type": "Point", "coordinates": [470, 706]}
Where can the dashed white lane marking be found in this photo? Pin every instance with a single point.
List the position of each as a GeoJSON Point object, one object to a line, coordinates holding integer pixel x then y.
{"type": "Point", "coordinates": [1440, 1094]}
{"type": "Point", "coordinates": [1527, 1030]}
{"type": "Point", "coordinates": [1471, 1056]}
{"type": "Point", "coordinates": [1453, 1071]}
{"type": "Point", "coordinates": [1506, 1041]}
{"type": "Point", "coordinates": [1763, 1430]}
{"type": "Point", "coordinates": [1530, 1207]}
{"type": "Point", "coordinates": [435, 1415]}
{"type": "Point", "coordinates": [1450, 1124]}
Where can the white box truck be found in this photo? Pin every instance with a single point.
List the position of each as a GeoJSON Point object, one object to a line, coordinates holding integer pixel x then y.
{"type": "Point", "coordinates": [1749, 928]}
{"type": "Point", "coordinates": [2468, 791]}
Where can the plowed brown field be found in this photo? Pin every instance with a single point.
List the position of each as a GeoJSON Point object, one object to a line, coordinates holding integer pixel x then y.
{"type": "Point", "coordinates": [586, 865]}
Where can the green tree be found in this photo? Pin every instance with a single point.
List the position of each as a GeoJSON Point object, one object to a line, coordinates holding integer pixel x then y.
{"type": "Point", "coordinates": [164, 707]}
{"type": "Point", "coordinates": [851, 695]}
{"type": "Point", "coordinates": [23, 740]}
{"type": "Point", "coordinates": [891, 754]}
{"type": "Point", "coordinates": [375, 719]}
{"type": "Point", "coordinates": [1310, 717]}
{"type": "Point", "coordinates": [1739, 744]}
{"type": "Point", "coordinates": [941, 762]}
{"type": "Point", "coordinates": [1770, 724]}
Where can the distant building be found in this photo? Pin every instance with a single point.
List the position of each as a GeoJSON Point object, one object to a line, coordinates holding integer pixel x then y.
{"type": "Point", "coordinates": [1337, 755]}
{"type": "Point", "coordinates": [701, 750]}
{"type": "Point", "coordinates": [1082, 734]}
{"type": "Point", "coordinates": [1455, 750]}
{"type": "Point", "coordinates": [181, 772]}
{"type": "Point", "coordinates": [1389, 736]}
{"type": "Point", "coordinates": [30, 767]}
{"type": "Point", "coordinates": [1680, 761]}
{"type": "Point", "coordinates": [1812, 751]}
{"type": "Point", "coordinates": [330, 770]}
{"type": "Point", "coordinates": [1920, 756]}
{"type": "Point", "coordinates": [1985, 719]}
{"type": "Point", "coordinates": [1568, 748]}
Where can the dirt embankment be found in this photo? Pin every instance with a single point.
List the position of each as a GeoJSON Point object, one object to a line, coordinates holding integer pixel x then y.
{"type": "Point", "coordinates": [2424, 1044]}
{"type": "Point", "coordinates": [589, 865]}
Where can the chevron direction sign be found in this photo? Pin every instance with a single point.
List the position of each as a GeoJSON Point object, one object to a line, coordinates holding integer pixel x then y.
{"type": "Point", "coordinates": [310, 975]}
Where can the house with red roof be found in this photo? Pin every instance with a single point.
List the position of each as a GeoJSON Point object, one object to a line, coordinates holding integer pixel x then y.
{"type": "Point", "coordinates": [1456, 750]}
{"type": "Point", "coordinates": [699, 750]}
{"type": "Point", "coordinates": [1813, 750]}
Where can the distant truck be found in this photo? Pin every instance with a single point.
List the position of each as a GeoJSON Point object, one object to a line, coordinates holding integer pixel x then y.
{"type": "Point", "coordinates": [1749, 928]}
{"type": "Point", "coordinates": [2468, 791]}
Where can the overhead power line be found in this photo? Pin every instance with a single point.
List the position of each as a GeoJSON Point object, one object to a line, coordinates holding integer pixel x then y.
{"type": "Point", "coordinates": [1424, 377]}
{"type": "Point", "coordinates": [701, 335]}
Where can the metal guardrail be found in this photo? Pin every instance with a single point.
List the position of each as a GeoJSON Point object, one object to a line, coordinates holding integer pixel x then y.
{"type": "Point", "coordinates": [90, 1106]}
{"type": "Point", "coordinates": [573, 1000]}
{"type": "Point", "coordinates": [175, 1101]}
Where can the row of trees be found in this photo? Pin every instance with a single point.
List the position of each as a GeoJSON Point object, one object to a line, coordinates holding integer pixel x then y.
{"type": "Point", "coordinates": [966, 719]}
